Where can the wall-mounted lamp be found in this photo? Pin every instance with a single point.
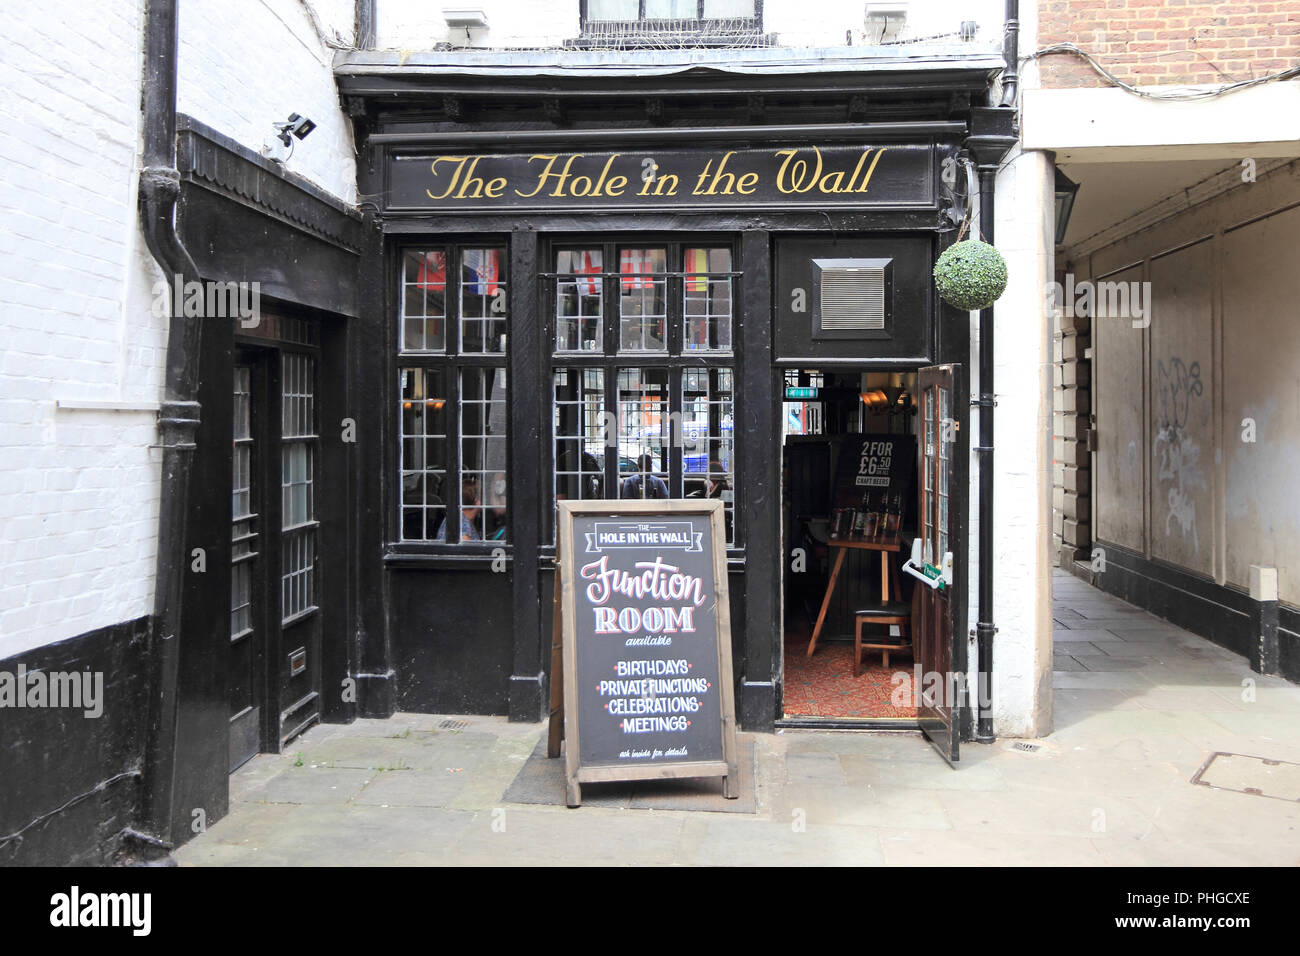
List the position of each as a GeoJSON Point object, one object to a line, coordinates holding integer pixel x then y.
{"type": "Point", "coordinates": [1066, 189]}
{"type": "Point", "coordinates": [465, 17]}
{"type": "Point", "coordinates": [295, 126]}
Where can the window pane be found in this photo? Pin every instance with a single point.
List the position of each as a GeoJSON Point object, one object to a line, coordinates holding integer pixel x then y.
{"type": "Point", "coordinates": [707, 436]}
{"type": "Point", "coordinates": [423, 453]}
{"type": "Point", "coordinates": [671, 9]}
{"type": "Point", "coordinates": [482, 455]}
{"type": "Point", "coordinates": [423, 321]}
{"type": "Point", "coordinates": [578, 300]}
{"type": "Point", "coordinates": [579, 438]}
{"type": "Point", "coordinates": [716, 9]}
{"type": "Point", "coordinates": [613, 9]}
{"type": "Point", "coordinates": [643, 300]}
{"type": "Point", "coordinates": [643, 432]}
{"type": "Point", "coordinates": [707, 300]}
{"type": "Point", "coordinates": [482, 301]}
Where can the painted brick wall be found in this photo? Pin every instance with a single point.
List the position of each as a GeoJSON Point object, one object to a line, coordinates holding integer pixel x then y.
{"type": "Point", "coordinates": [78, 489]}
{"type": "Point", "coordinates": [1169, 42]}
{"type": "Point", "coordinates": [79, 486]}
{"type": "Point", "coordinates": [245, 64]}
{"type": "Point", "coordinates": [417, 25]}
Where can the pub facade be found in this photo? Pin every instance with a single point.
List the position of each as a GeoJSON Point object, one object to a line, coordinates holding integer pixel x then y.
{"type": "Point", "coordinates": [570, 269]}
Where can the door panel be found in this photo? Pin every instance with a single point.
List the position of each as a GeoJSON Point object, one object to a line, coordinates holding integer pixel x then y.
{"type": "Point", "coordinates": [299, 659]}
{"type": "Point", "coordinates": [246, 632]}
{"type": "Point", "coordinates": [941, 695]}
{"type": "Point", "coordinates": [275, 625]}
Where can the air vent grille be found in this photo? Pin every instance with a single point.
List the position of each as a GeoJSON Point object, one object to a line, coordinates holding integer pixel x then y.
{"type": "Point", "coordinates": [853, 298]}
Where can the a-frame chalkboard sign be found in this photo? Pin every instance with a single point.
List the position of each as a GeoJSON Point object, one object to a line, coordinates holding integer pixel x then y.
{"type": "Point", "coordinates": [642, 637]}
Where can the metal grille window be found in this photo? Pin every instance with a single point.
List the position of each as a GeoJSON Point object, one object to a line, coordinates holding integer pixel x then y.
{"type": "Point", "coordinates": [297, 475]}
{"type": "Point", "coordinates": [242, 534]}
{"type": "Point", "coordinates": [658, 430]}
{"type": "Point", "coordinates": [453, 325]}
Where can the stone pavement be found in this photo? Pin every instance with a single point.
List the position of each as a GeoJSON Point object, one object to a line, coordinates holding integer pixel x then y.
{"type": "Point", "coordinates": [1140, 706]}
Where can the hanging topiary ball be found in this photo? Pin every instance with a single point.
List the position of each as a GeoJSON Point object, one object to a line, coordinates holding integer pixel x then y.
{"type": "Point", "coordinates": [970, 275]}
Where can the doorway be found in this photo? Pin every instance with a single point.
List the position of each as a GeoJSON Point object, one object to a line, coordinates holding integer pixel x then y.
{"type": "Point", "coordinates": [275, 620]}
{"type": "Point", "coordinates": [849, 491]}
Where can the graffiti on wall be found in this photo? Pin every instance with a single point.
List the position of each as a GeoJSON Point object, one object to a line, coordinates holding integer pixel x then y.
{"type": "Point", "coordinates": [1176, 451]}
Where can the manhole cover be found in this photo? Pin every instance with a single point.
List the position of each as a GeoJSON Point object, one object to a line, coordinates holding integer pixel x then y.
{"type": "Point", "coordinates": [1037, 748]}
{"type": "Point", "coordinates": [453, 725]}
{"type": "Point", "coordinates": [1027, 747]}
{"type": "Point", "coordinates": [1258, 776]}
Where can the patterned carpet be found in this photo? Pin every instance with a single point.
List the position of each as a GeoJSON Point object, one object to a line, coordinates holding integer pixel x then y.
{"type": "Point", "coordinates": [824, 685]}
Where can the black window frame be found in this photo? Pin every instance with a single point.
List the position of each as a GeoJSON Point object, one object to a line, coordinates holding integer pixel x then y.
{"type": "Point", "coordinates": [675, 358]}
{"type": "Point", "coordinates": [451, 361]}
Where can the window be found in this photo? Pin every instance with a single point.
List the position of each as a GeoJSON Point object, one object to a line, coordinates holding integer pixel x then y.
{"type": "Point", "coordinates": [452, 329]}
{"type": "Point", "coordinates": [297, 489]}
{"type": "Point", "coordinates": [687, 23]}
{"type": "Point", "coordinates": [643, 378]}
{"type": "Point", "coordinates": [628, 10]}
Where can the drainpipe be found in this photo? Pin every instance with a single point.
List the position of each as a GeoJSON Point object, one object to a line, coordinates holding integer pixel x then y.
{"type": "Point", "coordinates": [1010, 53]}
{"type": "Point", "coordinates": [365, 19]}
{"type": "Point", "coordinates": [178, 417]}
{"type": "Point", "coordinates": [994, 137]}
{"type": "Point", "coordinates": [984, 629]}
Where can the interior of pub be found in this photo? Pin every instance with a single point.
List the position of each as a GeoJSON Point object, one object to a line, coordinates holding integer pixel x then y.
{"type": "Point", "coordinates": [849, 513]}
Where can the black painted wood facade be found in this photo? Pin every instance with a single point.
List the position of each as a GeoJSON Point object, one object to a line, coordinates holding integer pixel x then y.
{"type": "Point", "coordinates": [444, 632]}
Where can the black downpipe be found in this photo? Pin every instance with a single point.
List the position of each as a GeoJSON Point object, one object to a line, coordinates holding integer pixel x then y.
{"type": "Point", "coordinates": [1011, 53]}
{"type": "Point", "coordinates": [989, 152]}
{"type": "Point", "coordinates": [178, 417]}
{"type": "Point", "coordinates": [984, 629]}
{"type": "Point", "coordinates": [365, 24]}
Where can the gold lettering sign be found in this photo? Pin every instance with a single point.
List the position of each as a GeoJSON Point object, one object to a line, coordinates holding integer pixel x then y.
{"type": "Point", "coordinates": [785, 176]}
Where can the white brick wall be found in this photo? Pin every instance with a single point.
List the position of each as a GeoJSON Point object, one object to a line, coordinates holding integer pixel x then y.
{"type": "Point", "coordinates": [245, 64]}
{"type": "Point", "coordinates": [419, 25]}
{"type": "Point", "coordinates": [79, 488]}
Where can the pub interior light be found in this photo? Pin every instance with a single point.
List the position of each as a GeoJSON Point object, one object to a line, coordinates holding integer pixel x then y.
{"type": "Point", "coordinates": [1066, 189]}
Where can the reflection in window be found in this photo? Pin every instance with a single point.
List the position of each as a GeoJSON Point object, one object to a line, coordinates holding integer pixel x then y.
{"type": "Point", "coordinates": [482, 454]}
{"type": "Point", "coordinates": [482, 302]}
{"type": "Point", "coordinates": [423, 321]}
{"type": "Point", "coordinates": [579, 437]}
{"type": "Point", "coordinates": [707, 301]}
{"type": "Point", "coordinates": [708, 438]}
{"type": "Point", "coordinates": [643, 300]}
{"type": "Point", "coordinates": [578, 300]}
{"type": "Point", "coordinates": [644, 431]}
{"type": "Point", "coordinates": [423, 452]}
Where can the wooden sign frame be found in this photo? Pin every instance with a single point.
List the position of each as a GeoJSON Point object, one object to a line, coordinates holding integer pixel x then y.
{"type": "Point", "coordinates": [564, 653]}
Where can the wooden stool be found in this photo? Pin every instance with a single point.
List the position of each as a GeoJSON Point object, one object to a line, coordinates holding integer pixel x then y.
{"type": "Point", "coordinates": [893, 613]}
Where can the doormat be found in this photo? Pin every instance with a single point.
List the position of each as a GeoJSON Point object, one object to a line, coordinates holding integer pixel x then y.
{"type": "Point", "coordinates": [541, 781]}
{"type": "Point", "coordinates": [1257, 776]}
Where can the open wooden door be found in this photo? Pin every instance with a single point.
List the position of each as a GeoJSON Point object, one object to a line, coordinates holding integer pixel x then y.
{"type": "Point", "coordinates": [941, 694]}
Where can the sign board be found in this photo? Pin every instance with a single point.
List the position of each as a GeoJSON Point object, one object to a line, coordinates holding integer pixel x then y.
{"type": "Point", "coordinates": [875, 465]}
{"type": "Point", "coordinates": [641, 180]}
{"type": "Point", "coordinates": [645, 643]}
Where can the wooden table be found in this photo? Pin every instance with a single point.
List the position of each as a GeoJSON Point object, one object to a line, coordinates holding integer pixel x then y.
{"type": "Point", "coordinates": [886, 545]}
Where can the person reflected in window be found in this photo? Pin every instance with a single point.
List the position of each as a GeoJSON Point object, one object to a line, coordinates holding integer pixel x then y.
{"type": "Point", "coordinates": [646, 484]}
{"type": "Point", "coordinates": [592, 479]}
{"type": "Point", "coordinates": [469, 509]}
